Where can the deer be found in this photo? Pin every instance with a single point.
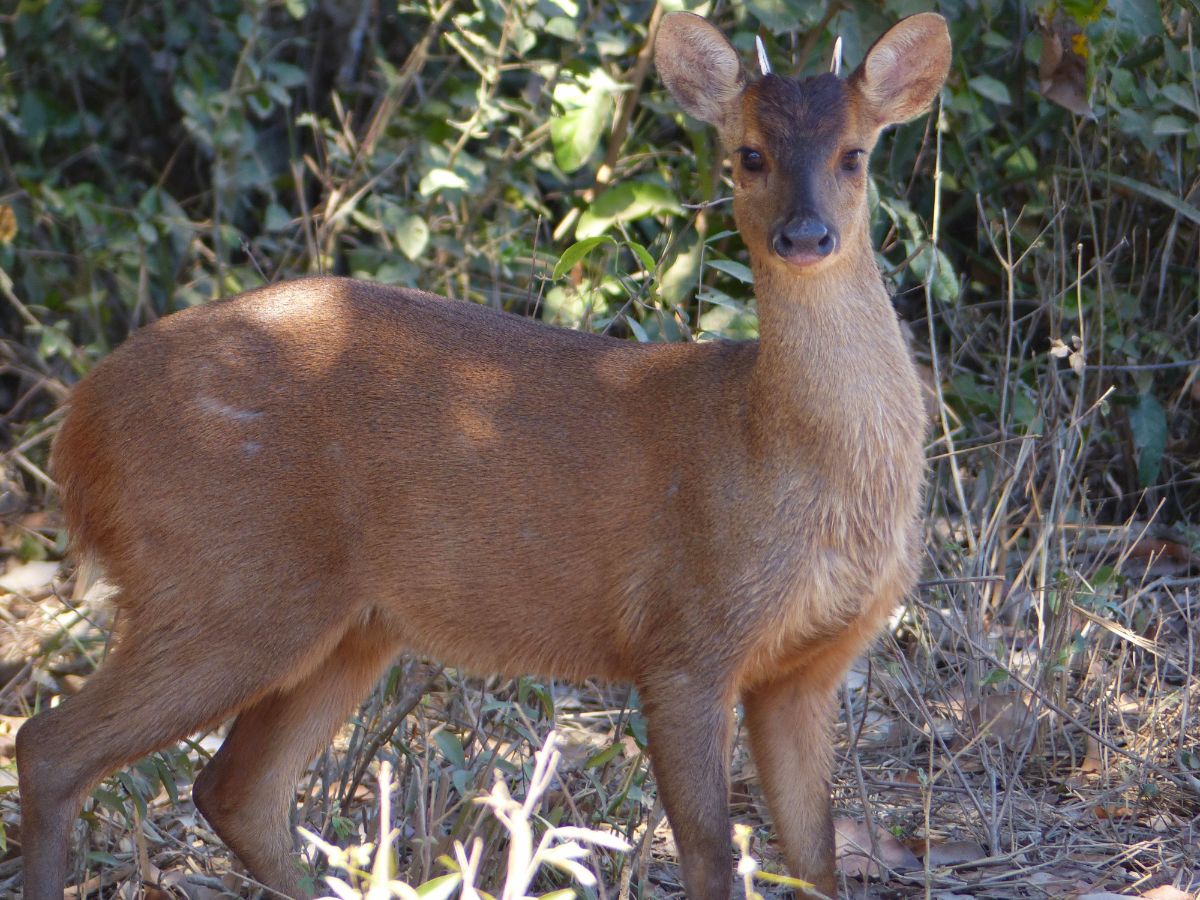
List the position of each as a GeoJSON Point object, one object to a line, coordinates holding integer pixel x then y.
{"type": "Point", "coordinates": [290, 487]}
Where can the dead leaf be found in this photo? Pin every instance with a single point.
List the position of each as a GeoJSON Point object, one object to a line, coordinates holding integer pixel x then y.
{"type": "Point", "coordinates": [1092, 763]}
{"type": "Point", "coordinates": [177, 881]}
{"type": "Point", "coordinates": [1074, 353]}
{"type": "Point", "coordinates": [955, 853]}
{"type": "Point", "coordinates": [29, 578]}
{"type": "Point", "coordinates": [1112, 812]}
{"type": "Point", "coordinates": [1165, 557]}
{"type": "Point", "coordinates": [1167, 892]}
{"type": "Point", "coordinates": [8, 224]}
{"type": "Point", "coordinates": [1004, 716]}
{"type": "Point", "coordinates": [1163, 824]}
{"type": "Point", "coordinates": [93, 884]}
{"type": "Point", "coordinates": [854, 851]}
{"type": "Point", "coordinates": [1062, 70]}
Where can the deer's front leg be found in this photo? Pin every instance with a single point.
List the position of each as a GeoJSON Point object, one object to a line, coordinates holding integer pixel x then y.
{"type": "Point", "coordinates": [689, 725]}
{"type": "Point", "coordinates": [789, 721]}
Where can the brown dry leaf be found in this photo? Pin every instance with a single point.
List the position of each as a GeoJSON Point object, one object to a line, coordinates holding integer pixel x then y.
{"type": "Point", "coordinates": [1165, 557]}
{"type": "Point", "coordinates": [1062, 70]}
{"type": "Point", "coordinates": [30, 578]}
{"type": "Point", "coordinates": [1112, 812]}
{"type": "Point", "coordinates": [175, 883]}
{"type": "Point", "coordinates": [8, 736]}
{"type": "Point", "coordinates": [946, 729]}
{"type": "Point", "coordinates": [1091, 758]}
{"type": "Point", "coordinates": [8, 224]}
{"type": "Point", "coordinates": [93, 884]}
{"type": "Point", "coordinates": [1075, 357]}
{"type": "Point", "coordinates": [1167, 892]}
{"type": "Point", "coordinates": [1004, 716]}
{"type": "Point", "coordinates": [1162, 823]}
{"type": "Point", "coordinates": [854, 851]}
{"type": "Point", "coordinates": [955, 853]}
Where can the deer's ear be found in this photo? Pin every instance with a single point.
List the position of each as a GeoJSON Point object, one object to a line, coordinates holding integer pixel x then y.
{"type": "Point", "coordinates": [904, 69]}
{"type": "Point", "coordinates": [699, 67]}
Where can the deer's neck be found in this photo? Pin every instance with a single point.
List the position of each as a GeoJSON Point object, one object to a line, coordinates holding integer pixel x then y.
{"type": "Point", "coordinates": [833, 381]}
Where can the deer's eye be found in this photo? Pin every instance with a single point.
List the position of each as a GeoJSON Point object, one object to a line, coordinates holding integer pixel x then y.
{"type": "Point", "coordinates": [852, 160]}
{"type": "Point", "coordinates": [752, 160]}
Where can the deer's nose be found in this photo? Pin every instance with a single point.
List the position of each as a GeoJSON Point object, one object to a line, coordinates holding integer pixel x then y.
{"type": "Point", "coordinates": [804, 240]}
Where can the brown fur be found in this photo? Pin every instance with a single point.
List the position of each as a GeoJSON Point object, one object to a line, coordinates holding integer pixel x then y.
{"type": "Point", "coordinates": [291, 486]}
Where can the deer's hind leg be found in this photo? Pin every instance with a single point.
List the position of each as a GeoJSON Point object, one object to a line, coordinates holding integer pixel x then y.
{"type": "Point", "coordinates": [177, 669]}
{"type": "Point", "coordinates": [247, 792]}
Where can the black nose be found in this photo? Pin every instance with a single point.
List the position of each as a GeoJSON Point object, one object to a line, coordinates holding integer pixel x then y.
{"type": "Point", "coordinates": [805, 238]}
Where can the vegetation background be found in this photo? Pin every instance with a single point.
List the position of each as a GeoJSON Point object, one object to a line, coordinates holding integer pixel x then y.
{"type": "Point", "coordinates": [1030, 728]}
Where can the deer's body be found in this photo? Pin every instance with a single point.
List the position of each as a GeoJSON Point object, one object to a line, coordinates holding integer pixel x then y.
{"type": "Point", "coordinates": [538, 480]}
{"type": "Point", "coordinates": [291, 486]}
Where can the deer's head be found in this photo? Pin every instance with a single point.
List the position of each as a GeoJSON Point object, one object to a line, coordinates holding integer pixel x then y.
{"type": "Point", "coordinates": [800, 147]}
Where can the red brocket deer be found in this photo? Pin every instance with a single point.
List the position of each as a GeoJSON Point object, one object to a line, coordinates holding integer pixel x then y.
{"type": "Point", "coordinates": [291, 486]}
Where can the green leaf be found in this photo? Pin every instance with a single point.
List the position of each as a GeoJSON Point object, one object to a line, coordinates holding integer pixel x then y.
{"type": "Point", "coordinates": [440, 888]}
{"type": "Point", "coordinates": [131, 789]}
{"type": "Point", "coordinates": [441, 180]}
{"type": "Point", "coordinates": [623, 203]}
{"type": "Point", "coordinates": [605, 755]}
{"type": "Point", "coordinates": [451, 747]}
{"type": "Point", "coordinates": [1180, 96]}
{"type": "Point", "coordinates": [1137, 18]}
{"type": "Point", "coordinates": [577, 251]}
{"type": "Point", "coordinates": [1148, 422]}
{"type": "Point", "coordinates": [720, 298]}
{"type": "Point", "coordinates": [995, 676]}
{"type": "Point", "coordinates": [286, 74]}
{"type": "Point", "coordinates": [991, 88]}
{"type": "Point", "coordinates": [738, 270]}
{"type": "Point", "coordinates": [167, 777]}
{"type": "Point", "coordinates": [577, 130]}
{"type": "Point", "coordinates": [967, 388]}
{"type": "Point", "coordinates": [278, 218]}
{"type": "Point", "coordinates": [1170, 125]}
{"type": "Point", "coordinates": [1181, 206]}
{"type": "Point", "coordinates": [783, 16]}
{"type": "Point", "coordinates": [721, 321]}
{"type": "Point", "coordinates": [575, 135]}
{"type": "Point", "coordinates": [643, 256]}
{"type": "Point", "coordinates": [412, 235]}
{"type": "Point", "coordinates": [638, 330]}
{"type": "Point", "coordinates": [1020, 162]}
{"type": "Point", "coordinates": [680, 275]}
{"type": "Point", "coordinates": [562, 27]}
{"type": "Point", "coordinates": [936, 268]}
